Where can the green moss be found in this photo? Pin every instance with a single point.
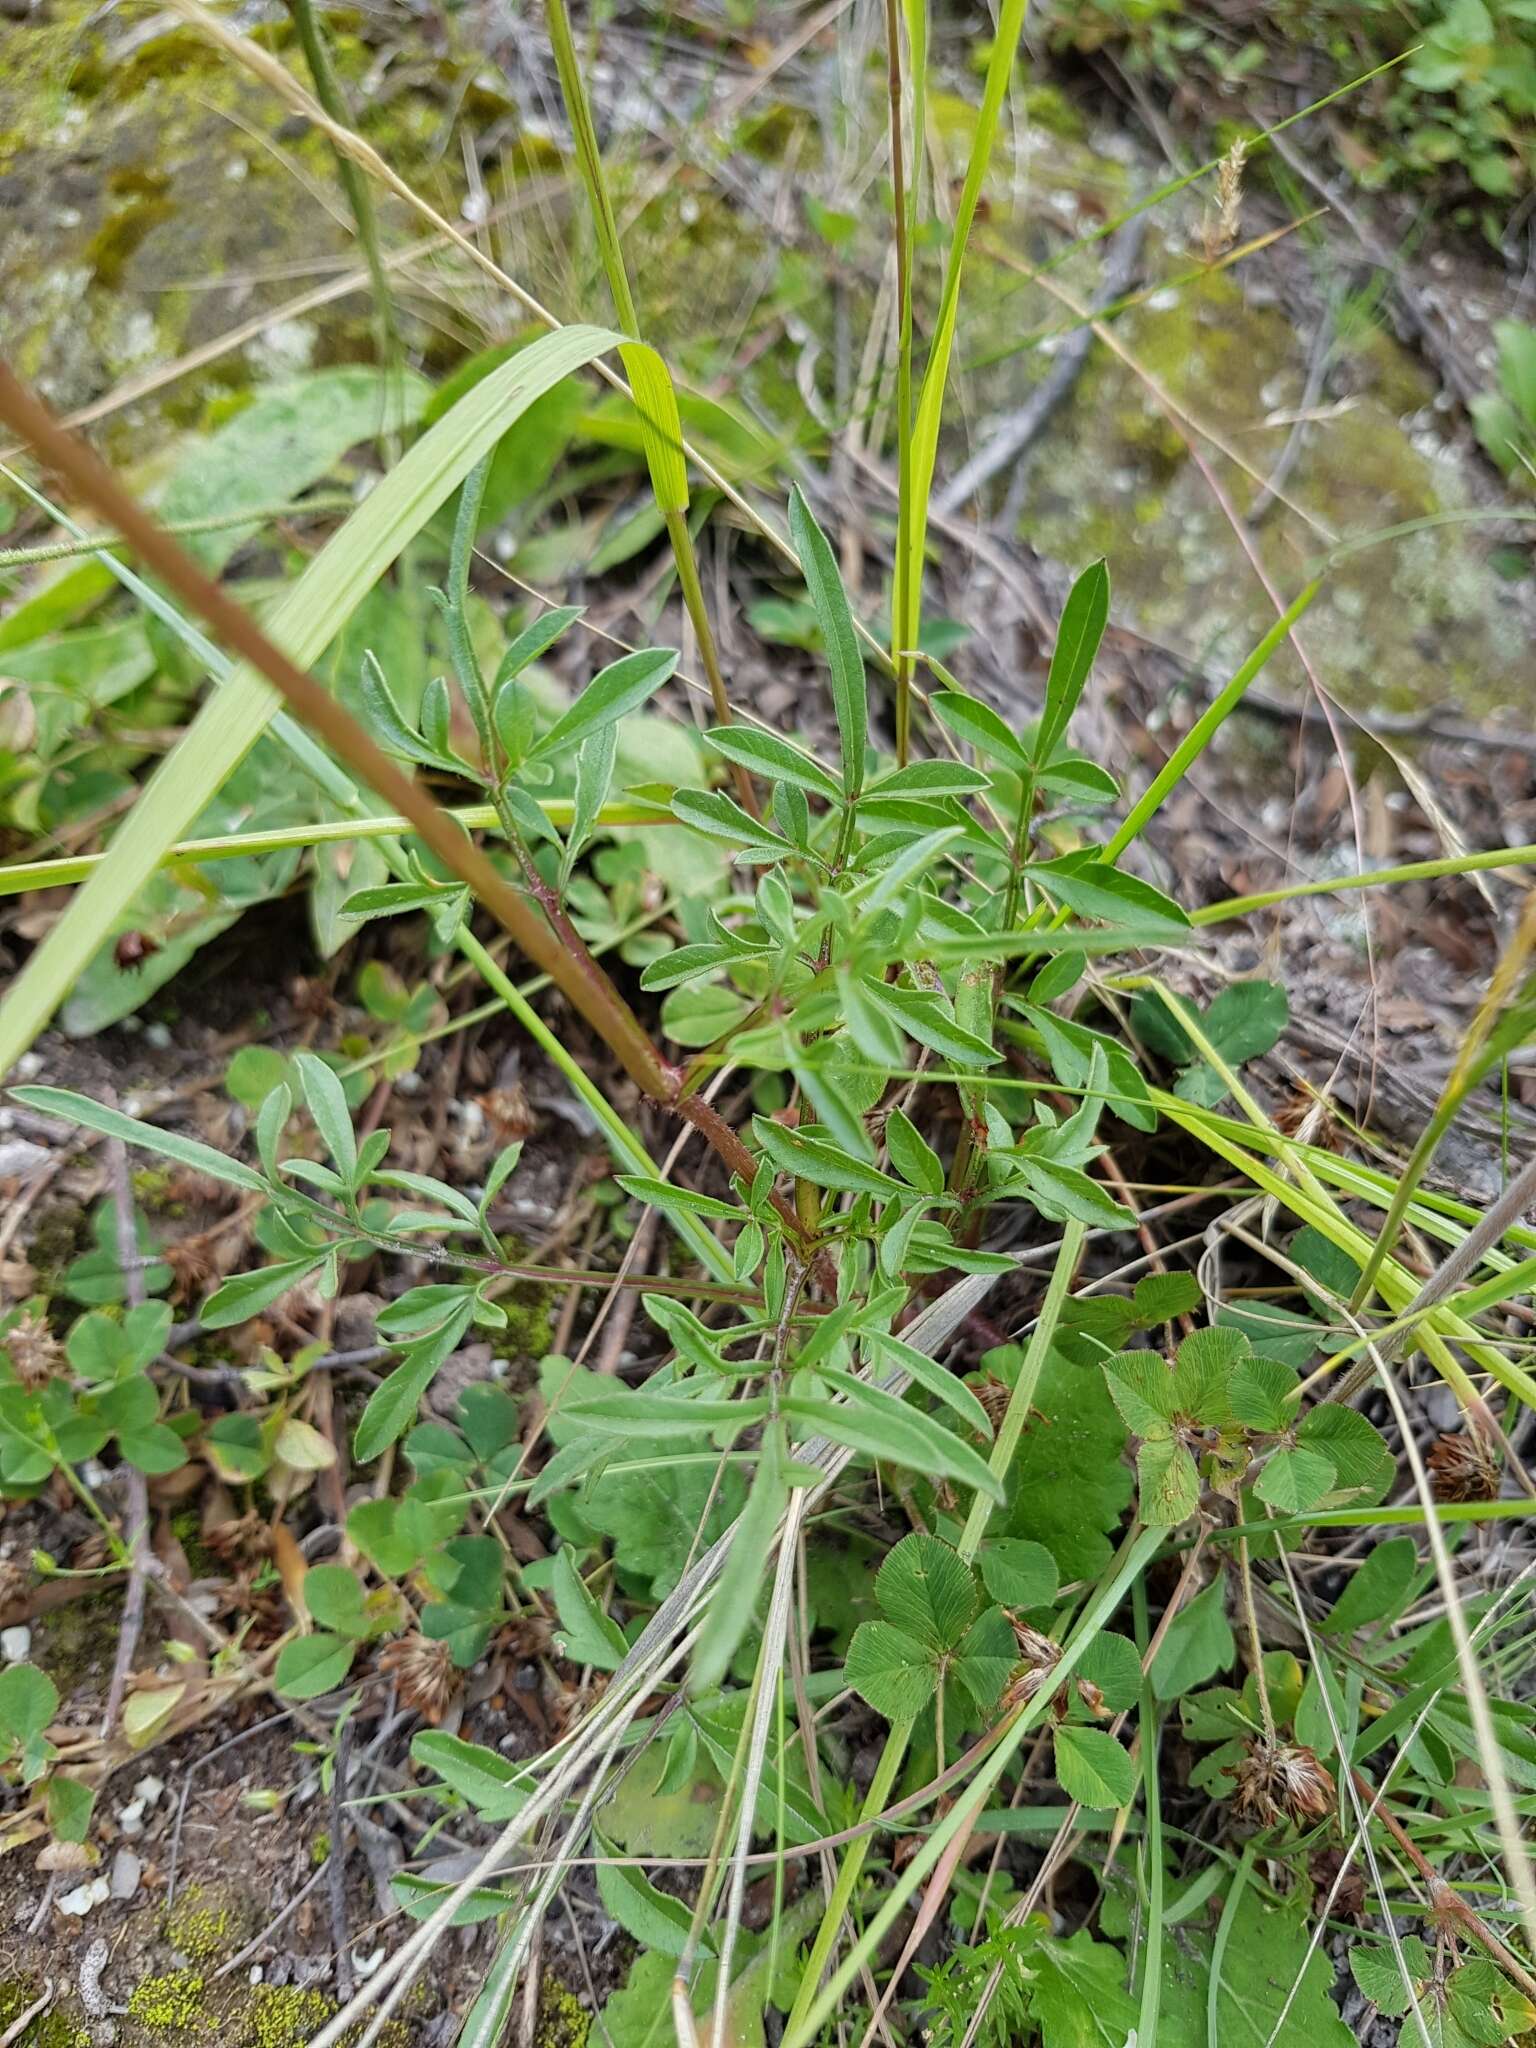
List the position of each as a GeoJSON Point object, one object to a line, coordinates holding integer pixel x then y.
{"type": "Point", "coordinates": [1049, 108]}
{"type": "Point", "coordinates": [74, 1643]}
{"type": "Point", "coordinates": [530, 1310]}
{"type": "Point", "coordinates": [170, 2005]}
{"type": "Point", "coordinates": [284, 2016]}
{"type": "Point", "coordinates": [563, 2021]}
{"type": "Point", "coordinates": [187, 1528]}
{"type": "Point", "coordinates": [63, 1232]}
{"type": "Point", "coordinates": [319, 1848]}
{"type": "Point", "coordinates": [52, 2028]}
{"type": "Point", "coordinates": [206, 1923]}
{"type": "Point", "coordinates": [153, 1190]}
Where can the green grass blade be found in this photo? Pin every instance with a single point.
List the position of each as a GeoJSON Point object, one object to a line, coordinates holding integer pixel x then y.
{"type": "Point", "coordinates": [930, 403]}
{"type": "Point", "coordinates": [233, 718]}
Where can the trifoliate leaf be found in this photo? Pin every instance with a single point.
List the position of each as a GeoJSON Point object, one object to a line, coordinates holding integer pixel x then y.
{"type": "Point", "coordinates": [1093, 1768]}
{"type": "Point", "coordinates": [925, 1589]}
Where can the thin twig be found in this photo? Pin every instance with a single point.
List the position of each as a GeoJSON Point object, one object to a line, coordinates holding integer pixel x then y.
{"type": "Point", "coordinates": [137, 1486]}
{"type": "Point", "coordinates": [336, 1861]}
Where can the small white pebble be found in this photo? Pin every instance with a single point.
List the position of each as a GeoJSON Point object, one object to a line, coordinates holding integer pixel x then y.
{"type": "Point", "coordinates": [29, 1066]}
{"type": "Point", "coordinates": [131, 1820]}
{"type": "Point", "coordinates": [15, 1643]}
{"type": "Point", "coordinates": [126, 1871]}
{"type": "Point", "coordinates": [257, 1973]}
{"type": "Point", "coordinates": [84, 1896]}
{"type": "Point", "coordinates": [149, 1789]}
{"type": "Point", "coordinates": [159, 1036]}
{"type": "Point", "coordinates": [366, 1965]}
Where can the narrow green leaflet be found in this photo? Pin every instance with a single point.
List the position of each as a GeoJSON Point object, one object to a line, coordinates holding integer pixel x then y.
{"type": "Point", "coordinates": [882, 1427]}
{"type": "Point", "coordinates": [392, 1406]}
{"type": "Point", "coordinates": [616, 691]}
{"type": "Point", "coordinates": [849, 690]}
{"type": "Point", "coordinates": [1083, 619]}
{"type": "Point", "coordinates": [95, 1116]}
{"type": "Point", "coordinates": [735, 1597]}
{"type": "Point", "coordinates": [774, 758]}
{"type": "Point", "coordinates": [821, 1162]}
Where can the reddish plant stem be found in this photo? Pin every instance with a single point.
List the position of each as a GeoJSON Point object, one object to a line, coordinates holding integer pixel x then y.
{"type": "Point", "coordinates": [599, 1002]}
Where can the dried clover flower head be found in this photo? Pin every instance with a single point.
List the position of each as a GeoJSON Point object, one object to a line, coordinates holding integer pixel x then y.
{"type": "Point", "coordinates": [1281, 1779]}
{"type": "Point", "coordinates": [1462, 1466]}
{"type": "Point", "coordinates": [35, 1353]}
{"type": "Point", "coordinates": [1036, 1673]}
{"type": "Point", "coordinates": [424, 1673]}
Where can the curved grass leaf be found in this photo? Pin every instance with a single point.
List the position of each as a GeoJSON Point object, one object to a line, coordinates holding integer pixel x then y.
{"type": "Point", "coordinates": [308, 619]}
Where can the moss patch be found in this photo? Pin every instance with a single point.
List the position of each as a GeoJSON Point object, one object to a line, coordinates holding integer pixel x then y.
{"type": "Point", "coordinates": [53, 2028]}
{"type": "Point", "coordinates": [206, 1924]}
{"type": "Point", "coordinates": [173, 2004]}
{"type": "Point", "coordinates": [563, 2021]}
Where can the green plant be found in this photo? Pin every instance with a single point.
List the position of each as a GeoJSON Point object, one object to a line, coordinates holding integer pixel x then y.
{"type": "Point", "coordinates": [1506, 419]}
{"type": "Point", "coordinates": [916, 966]}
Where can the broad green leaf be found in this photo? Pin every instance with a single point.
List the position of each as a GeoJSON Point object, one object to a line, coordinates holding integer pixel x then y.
{"type": "Point", "coordinates": [1198, 1646]}
{"type": "Point", "coordinates": [1141, 1387]}
{"type": "Point", "coordinates": [981, 727]}
{"type": "Point", "coordinates": [911, 1155]}
{"type": "Point", "coordinates": [720, 816]}
{"type": "Point", "coordinates": [287, 438]}
{"type": "Point", "coordinates": [890, 1670]}
{"type": "Point", "coordinates": [1018, 1573]}
{"type": "Point", "coordinates": [1077, 1994]}
{"type": "Point", "coordinates": [1064, 1193]}
{"type": "Point", "coordinates": [1169, 1484]}
{"type": "Point", "coordinates": [587, 1635]}
{"type": "Point", "coordinates": [1092, 888]}
{"type": "Point", "coordinates": [1093, 1768]}
{"type": "Point", "coordinates": [654, 1918]}
{"type": "Point", "coordinates": [986, 1659]}
{"type": "Point", "coordinates": [926, 1016]}
{"type": "Point", "coordinates": [1380, 1976]}
{"type": "Point", "coordinates": [233, 717]}
{"type": "Point", "coordinates": [1294, 1480]}
{"type": "Point", "coordinates": [1247, 1019]}
{"type": "Point", "coordinates": [69, 1807]}
{"type": "Point", "coordinates": [1353, 1446]}
{"type": "Point", "coordinates": [850, 701]}
{"type": "Point", "coordinates": [619, 689]}
{"type": "Point", "coordinates": [334, 1597]}
{"type": "Point", "coordinates": [1083, 619]}
{"type": "Point", "coordinates": [29, 1699]}
{"type": "Point", "coordinates": [1377, 1591]}
{"type": "Point", "coordinates": [95, 1116]}
{"type": "Point", "coordinates": [1270, 1968]}
{"type": "Point", "coordinates": [312, 1665]}
{"type": "Point", "coordinates": [1202, 1373]}
{"type": "Point", "coordinates": [496, 1788]}
{"type": "Point", "coordinates": [1068, 1485]}
{"type": "Point", "coordinates": [1258, 1393]}
{"type": "Point", "coordinates": [925, 1589]}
